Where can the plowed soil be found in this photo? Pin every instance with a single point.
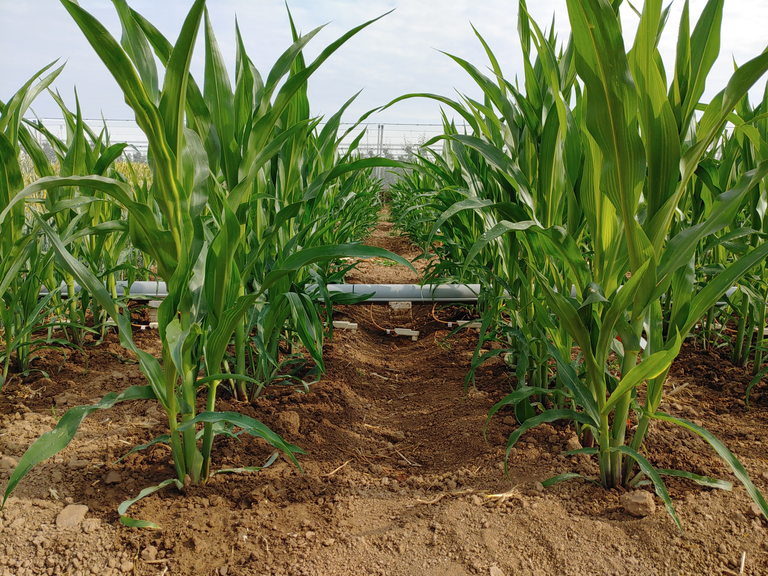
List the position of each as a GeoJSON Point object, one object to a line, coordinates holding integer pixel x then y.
{"type": "Point", "coordinates": [398, 477]}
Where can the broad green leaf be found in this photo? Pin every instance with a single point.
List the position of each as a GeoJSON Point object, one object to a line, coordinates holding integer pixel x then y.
{"type": "Point", "coordinates": [56, 440]}
{"type": "Point", "coordinates": [725, 454]}
{"type": "Point", "coordinates": [618, 306]}
{"type": "Point", "coordinates": [522, 393]}
{"type": "Point", "coordinates": [611, 113]}
{"type": "Point", "coordinates": [650, 367]}
{"type": "Point", "coordinates": [250, 425]}
{"type": "Point", "coordinates": [221, 103]}
{"type": "Point", "coordinates": [581, 394]}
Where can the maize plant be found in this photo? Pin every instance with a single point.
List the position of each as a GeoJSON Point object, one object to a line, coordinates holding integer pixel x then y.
{"type": "Point", "coordinates": [598, 194]}
{"type": "Point", "coordinates": [23, 269]}
{"type": "Point", "coordinates": [190, 220]}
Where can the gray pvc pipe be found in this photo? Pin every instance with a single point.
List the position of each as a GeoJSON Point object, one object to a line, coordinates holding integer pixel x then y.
{"type": "Point", "coordinates": [149, 289]}
{"type": "Point", "coordinates": [411, 292]}
{"type": "Point", "coordinates": [381, 292]}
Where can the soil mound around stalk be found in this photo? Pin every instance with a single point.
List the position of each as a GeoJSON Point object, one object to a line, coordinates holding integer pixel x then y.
{"type": "Point", "coordinates": [399, 477]}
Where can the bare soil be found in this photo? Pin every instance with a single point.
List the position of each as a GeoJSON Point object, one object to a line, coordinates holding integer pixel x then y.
{"type": "Point", "coordinates": [398, 476]}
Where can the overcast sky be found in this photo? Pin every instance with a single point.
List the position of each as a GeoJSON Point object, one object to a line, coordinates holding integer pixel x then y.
{"type": "Point", "coordinates": [396, 55]}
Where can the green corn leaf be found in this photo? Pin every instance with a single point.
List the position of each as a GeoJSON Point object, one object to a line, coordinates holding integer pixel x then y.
{"type": "Point", "coordinates": [705, 48]}
{"type": "Point", "coordinates": [648, 469]}
{"type": "Point", "coordinates": [314, 254]}
{"type": "Point", "coordinates": [650, 367]}
{"type": "Point", "coordinates": [724, 453]}
{"type": "Point", "coordinates": [543, 418]}
{"type": "Point", "coordinates": [683, 289]}
{"type": "Point", "coordinates": [135, 44]}
{"type": "Point", "coordinates": [558, 243]}
{"type": "Point", "coordinates": [700, 480]}
{"type": "Point", "coordinates": [322, 181]}
{"type": "Point", "coordinates": [222, 279]}
{"type": "Point", "coordinates": [121, 68]}
{"type": "Point", "coordinates": [245, 89]}
{"type": "Point", "coordinates": [17, 106]}
{"type": "Point", "coordinates": [679, 89]}
{"type": "Point", "coordinates": [180, 343]}
{"type": "Point", "coordinates": [570, 320]}
{"type": "Point", "coordinates": [264, 126]}
{"type": "Point", "coordinates": [56, 440]}
{"type": "Point", "coordinates": [522, 393]}
{"type": "Point", "coordinates": [123, 508]}
{"type": "Point", "coordinates": [717, 286]}
{"type": "Point", "coordinates": [659, 127]}
{"type": "Point", "coordinates": [250, 425]}
{"type": "Point", "coordinates": [580, 393]}
{"type": "Point", "coordinates": [174, 93]}
{"type": "Point", "coordinates": [268, 463]}
{"type": "Point", "coordinates": [249, 168]}
{"type": "Point", "coordinates": [680, 249]}
{"type": "Point", "coordinates": [198, 114]}
{"type": "Point", "coordinates": [498, 159]}
{"type": "Point", "coordinates": [458, 108]}
{"type": "Point", "coordinates": [149, 364]}
{"type": "Point", "coordinates": [710, 126]}
{"type": "Point", "coordinates": [562, 477]}
{"type": "Point", "coordinates": [618, 306]}
{"type": "Point", "coordinates": [307, 324]}
{"type": "Point", "coordinates": [218, 340]}
{"type": "Point", "coordinates": [146, 234]}
{"type": "Point", "coordinates": [221, 103]}
{"type": "Point", "coordinates": [108, 157]}
{"type": "Point", "coordinates": [162, 439]}
{"type": "Point", "coordinates": [611, 113]}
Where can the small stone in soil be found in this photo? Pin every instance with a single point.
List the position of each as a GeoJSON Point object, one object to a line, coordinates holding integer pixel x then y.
{"type": "Point", "coordinates": [495, 571]}
{"type": "Point", "coordinates": [573, 444]}
{"type": "Point", "coordinates": [91, 524]}
{"type": "Point", "coordinates": [739, 517]}
{"type": "Point", "coordinates": [755, 511]}
{"type": "Point", "coordinates": [113, 477]}
{"type": "Point", "coordinates": [289, 421]}
{"type": "Point", "coordinates": [638, 503]}
{"type": "Point", "coordinates": [126, 567]}
{"type": "Point", "coordinates": [8, 462]}
{"type": "Point", "coordinates": [329, 542]}
{"type": "Point", "coordinates": [71, 516]}
{"type": "Point", "coordinates": [149, 553]}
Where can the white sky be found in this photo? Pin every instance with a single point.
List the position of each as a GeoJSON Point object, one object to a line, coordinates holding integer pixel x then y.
{"type": "Point", "coordinates": [396, 55]}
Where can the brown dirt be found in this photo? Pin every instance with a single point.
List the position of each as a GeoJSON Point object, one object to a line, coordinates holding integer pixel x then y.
{"type": "Point", "coordinates": [379, 271]}
{"type": "Point", "coordinates": [398, 478]}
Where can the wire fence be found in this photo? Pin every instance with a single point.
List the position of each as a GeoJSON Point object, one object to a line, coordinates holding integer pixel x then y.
{"type": "Point", "coordinates": [392, 140]}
